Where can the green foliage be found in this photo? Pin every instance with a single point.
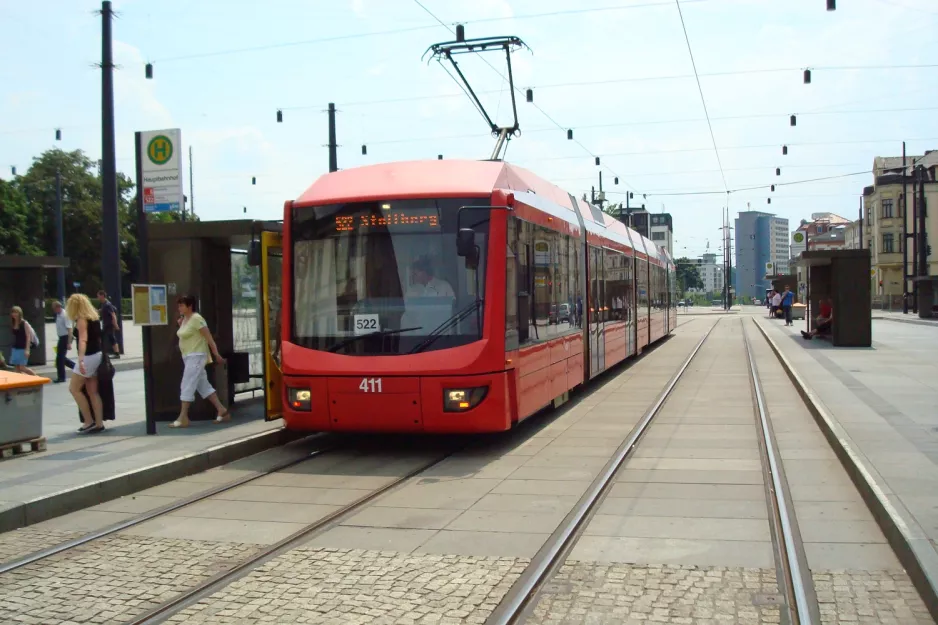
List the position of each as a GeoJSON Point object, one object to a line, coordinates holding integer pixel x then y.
{"type": "Point", "coordinates": [27, 218]}
{"type": "Point", "coordinates": [612, 209]}
{"type": "Point", "coordinates": [688, 277]}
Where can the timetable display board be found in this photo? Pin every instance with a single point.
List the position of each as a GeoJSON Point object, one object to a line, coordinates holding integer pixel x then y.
{"type": "Point", "coordinates": [149, 304]}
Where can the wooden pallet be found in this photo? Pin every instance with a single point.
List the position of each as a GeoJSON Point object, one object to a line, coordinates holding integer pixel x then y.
{"type": "Point", "coordinates": [22, 448]}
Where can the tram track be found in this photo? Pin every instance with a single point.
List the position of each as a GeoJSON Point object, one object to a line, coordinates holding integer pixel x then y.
{"type": "Point", "coordinates": [160, 511]}
{"type": "Point", "coordinates": [794, 577]}
{"type": "Point", "coordinates": [522, 594]}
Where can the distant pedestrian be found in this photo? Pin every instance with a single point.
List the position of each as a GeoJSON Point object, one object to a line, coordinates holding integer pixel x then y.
{"type": "Point", "coordinates": [788, 298]}
{"type": "Point", "coordinates": [64, 329]}
{"type": "Point", "coordinates": [109, 324]}
{"type": "Point", "coordinates": [776, 304]}
{"type": "Point", "coordinates": [78, 308]}
{"type": "Point", "coordinates": [23, 338]}
{"type": "Point", "coordinates": [197, 347]}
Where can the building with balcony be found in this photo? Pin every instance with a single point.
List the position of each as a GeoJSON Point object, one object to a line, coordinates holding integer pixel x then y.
{"type": "Point", "coordinates": [884, 210]}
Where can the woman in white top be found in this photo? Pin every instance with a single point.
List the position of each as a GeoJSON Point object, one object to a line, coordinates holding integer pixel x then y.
{"type": "Point", "coordinates": [197, 347]}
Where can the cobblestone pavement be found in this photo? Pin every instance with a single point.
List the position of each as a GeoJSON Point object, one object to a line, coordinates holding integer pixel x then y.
{"type": "Point", "coordinates": [868, 597]}
{"type": "Point", "coordinates": [25, 541]}
{"type": "Point", "coordinates": [111, 580]}
{"type": "Point", "coordinates": [593, 594]}
{"type": "Point", "coordinates": [343, 586]}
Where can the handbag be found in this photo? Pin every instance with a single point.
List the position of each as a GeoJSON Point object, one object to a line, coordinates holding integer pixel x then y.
{"type": "Point", "coordinates": [106, 368]}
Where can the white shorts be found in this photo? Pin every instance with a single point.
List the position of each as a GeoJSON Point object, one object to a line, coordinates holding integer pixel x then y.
{"type": "Point", "coordinates": [194, 378]}
{"type": "Point", "coordinates": [92, 362]}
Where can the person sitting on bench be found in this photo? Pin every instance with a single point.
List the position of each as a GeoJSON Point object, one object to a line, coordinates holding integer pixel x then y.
{"type": "Point", "coordinates": [824, 320]}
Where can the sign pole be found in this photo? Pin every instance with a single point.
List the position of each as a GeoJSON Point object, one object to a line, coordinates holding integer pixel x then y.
{"type": "Point", "coordinates": [143, 245]}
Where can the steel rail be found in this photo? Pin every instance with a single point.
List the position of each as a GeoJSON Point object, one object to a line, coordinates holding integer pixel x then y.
{"type": "Point", "coordinates": [216, 583]}
{"type": "Point", "coordinates": [791, 556]}
{"type": "Point", "coordinates": [36, 556]}
{"type": "Point", "coordinates": [538, 571]}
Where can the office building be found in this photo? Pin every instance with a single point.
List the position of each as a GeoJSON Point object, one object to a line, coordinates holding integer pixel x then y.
{"type": "Point", "coordinates": [710, 270]}
{"type": "Point", "coordinates": [780, 251]}
{"type": "Point", "coordinates": [662, 231]}
{"type": "Point", "coordinates": [755, 253]}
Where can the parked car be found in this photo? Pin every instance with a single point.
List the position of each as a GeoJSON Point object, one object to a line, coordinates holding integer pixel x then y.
{"type": "Point", "coordinates": [563, 313]}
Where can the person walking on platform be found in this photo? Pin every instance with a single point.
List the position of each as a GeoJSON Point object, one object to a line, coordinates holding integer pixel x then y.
{"type": "Point", "coordinates": [23, 339]}
{"type": "Point", "coordinates": [63, 328]}
{"type": "Point", "coordinates": [78, 308]}
{"type": "Point", "coordinates": [197, 347]}
{"type": "Point", "coordinates": [110, 325]}
{"type": "Point", "coordinates": [788, 298]}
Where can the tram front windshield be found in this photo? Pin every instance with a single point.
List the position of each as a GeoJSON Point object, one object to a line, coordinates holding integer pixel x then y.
{"type": "Point", "coordinates": [384, 278]}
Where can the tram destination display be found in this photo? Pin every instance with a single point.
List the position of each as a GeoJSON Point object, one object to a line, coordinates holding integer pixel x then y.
{"type": "Point", "coordinates": [389, 218]}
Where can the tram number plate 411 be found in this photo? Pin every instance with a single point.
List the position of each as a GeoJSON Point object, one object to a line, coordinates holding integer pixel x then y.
{"type": "Point", "coordinates": [366, 324]}
{"type": "Point", "coordinates": [370, 385]}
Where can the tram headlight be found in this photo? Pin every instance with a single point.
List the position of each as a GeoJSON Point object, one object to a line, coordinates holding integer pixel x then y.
{"type": "Point", "coordinates": [300, 399]}
{"type": "Point", "coordinates": [462, 399]}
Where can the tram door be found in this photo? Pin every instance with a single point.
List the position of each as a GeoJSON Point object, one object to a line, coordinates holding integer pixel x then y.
{"type": "Point", "coordinates": [596, 314]}
{"type": "Point", "coordinates": [271, 299]}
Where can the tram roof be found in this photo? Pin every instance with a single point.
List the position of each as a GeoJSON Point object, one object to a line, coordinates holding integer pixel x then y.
{"type": "Point", "coordinates": [428, 178]}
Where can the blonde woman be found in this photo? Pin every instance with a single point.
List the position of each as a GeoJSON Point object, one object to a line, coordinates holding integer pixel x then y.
{"type": "Point", "coordinates": [22, 341]}
{"type": "Point", "coordinates": [78, 308]}
{"type": "Point", "coordinates": [197, 347]}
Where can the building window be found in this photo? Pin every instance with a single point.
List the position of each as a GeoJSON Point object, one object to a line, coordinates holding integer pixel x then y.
{"type": "Point", "coordinates": [887, 243]}
{"type": "Point", "coordinates": [887, 209]}
{"type": "Point", "coordinates": [657, 236]}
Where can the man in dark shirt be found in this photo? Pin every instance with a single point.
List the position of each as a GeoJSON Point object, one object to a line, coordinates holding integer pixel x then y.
{"type": "Point", "coordinates": [109, 324]}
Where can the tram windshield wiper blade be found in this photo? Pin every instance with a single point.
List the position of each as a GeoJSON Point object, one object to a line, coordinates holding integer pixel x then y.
{"type": "Point", "coordinates": [446, 325]}
{"type": "Point", "coordinates": [352, 339]}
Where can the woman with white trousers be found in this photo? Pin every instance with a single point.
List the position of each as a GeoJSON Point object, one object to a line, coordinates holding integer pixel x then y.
{"type": "Point", "coordinates": [197, 347]}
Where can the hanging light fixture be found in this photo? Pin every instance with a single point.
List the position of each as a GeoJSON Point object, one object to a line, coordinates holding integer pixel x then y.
{"type": "Point", "coordinates": [597, 160]}
{"type": "Point", "coordinates": [569, 134]}
{"type": "Point", "coordinates": [831, 5]}
{"type": "Point", "coordinates": [439, 157]}
{"type": "Point", "coordinates": [279, 116]}
{"type": "Point", "coordinates": [58, 134]}
{"type": "Point", "coordinates": [768, 200]}
{"type": "Point", "coordinates": [616, 180]}
{"type": "Point", "coordinates": [245, 210]}
{"type": "Point", "coordinates": [460, 32]}
{"type": "Point", "coordinates": [529, 95]}
{"type": "Point", "coordinates": [807, 76]}
{"type": "Point", "coordinates": [773, 187]}
{"type": "Point", "coordinates": [364, 149]}
{"type": "Point", "coordinates": [149, 71]}
{"type": "Point", "coordinates": [792, 121]}
{"type": "Point", "coordinates": [253, 179]}
{"type": "Point", "coordinates": [13, 169]}
{"type": "Point", "coordinates": [778, 171]}
{"type": "Point", "coordinates": [785, 149]}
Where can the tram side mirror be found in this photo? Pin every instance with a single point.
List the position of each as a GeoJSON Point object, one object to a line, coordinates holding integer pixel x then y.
{"type": "Point", "coordinates": [466, 242]}
{"type": "Point", "coordinates": [254, 253]}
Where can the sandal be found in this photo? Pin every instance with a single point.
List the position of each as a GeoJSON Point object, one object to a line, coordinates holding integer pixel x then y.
{"type": "Point", "coordinates": [225, 416]}
{"type": "Point", "coordinates": [179, 424]}
{"type": "Point", "coordinates": [85, 428]}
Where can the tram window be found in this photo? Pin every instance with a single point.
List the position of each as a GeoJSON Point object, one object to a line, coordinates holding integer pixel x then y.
{"type": "Point", "coordinates": [545, 251]}
{"type": "Point", "coordinates": [525, 295]}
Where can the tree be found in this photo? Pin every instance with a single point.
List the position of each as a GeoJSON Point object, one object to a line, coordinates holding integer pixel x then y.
{"type": "Point", "coordinates": [82, 197]}
{"type": "Point", "coordinates": [612, 209]}
{"type": "Point", "coordinates": [688, 277]}
{"type": "Point", "coordinates": [14, 222]}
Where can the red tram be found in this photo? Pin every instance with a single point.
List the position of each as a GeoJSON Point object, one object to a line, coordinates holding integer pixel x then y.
{"type": "Point", "coordinates": [456, 296]}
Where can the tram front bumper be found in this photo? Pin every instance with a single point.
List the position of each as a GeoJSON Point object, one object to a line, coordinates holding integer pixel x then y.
{"type": "Point", "coordinates": [399, 404]}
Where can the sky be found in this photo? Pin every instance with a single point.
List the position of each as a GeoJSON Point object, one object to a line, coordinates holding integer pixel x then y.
{"type": "Point", "coordinates": [618, 72]}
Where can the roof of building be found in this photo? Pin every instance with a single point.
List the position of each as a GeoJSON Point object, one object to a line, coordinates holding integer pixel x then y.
{"type": "Point", "coordinates": [893, 164]}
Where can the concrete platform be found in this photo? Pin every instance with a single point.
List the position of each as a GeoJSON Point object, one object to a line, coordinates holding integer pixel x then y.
{"type": "Point", "coordinates": [76, 471]}
{"type": "Point", "coordinates": [878, 407]}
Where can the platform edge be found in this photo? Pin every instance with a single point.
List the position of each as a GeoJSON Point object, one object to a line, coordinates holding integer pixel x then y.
{"type": "Point", "coordinates": [905, 535]}
{"type": "Point", "coordinates": [87, 495]}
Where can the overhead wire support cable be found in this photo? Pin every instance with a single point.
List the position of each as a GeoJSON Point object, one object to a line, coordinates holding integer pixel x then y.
{"type": "Point", "coordinates": [700, 90]}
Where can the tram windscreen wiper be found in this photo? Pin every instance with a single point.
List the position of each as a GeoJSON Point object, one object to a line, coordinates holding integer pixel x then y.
{"type": "Point", "coordinates": [358, 337]}
{"type": "Point", "coordinates": [446, 325]}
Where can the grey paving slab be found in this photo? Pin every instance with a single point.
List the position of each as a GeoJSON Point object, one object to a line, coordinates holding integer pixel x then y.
{"type": "Point", "coordinates": [690, 476]}
{"type": "Point", "coordinates": [377, 538]}
{"type": "Point", "coordinates": [503, 544]}
{"type": "Point", "coordinates": [289, 494]}
{"type": "Point", "coordinates": [256, 511]}
{"type": "Point", "coordinates": [217, 530]}
{"type": "Point", "coordinates": [699, 508]}
{"type": "Point", "coordinates": [853, 556]}
{"type": "Point", "coordinates": [134, 504]}
{"type": "Point", "coordinates": [525, 503]}
{"type": "Point", "coordinates": [665, 490]}
{"type": "Point", "coordinates": [456, 494]}
{"type": "Point", "coordinates": [403, 518]}
{"type": "Point", "coordinates": [541, 487]}
{"type": "Point", "coordinates": [83, 521]}
{"type": "Point", "coordinates": [688, 527]}
{"type": "Point", "coordinates": [674, 551]}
